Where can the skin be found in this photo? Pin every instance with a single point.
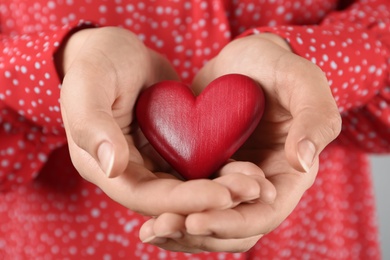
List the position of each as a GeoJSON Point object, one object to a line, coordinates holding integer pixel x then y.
{"type": "Point", "coordinates": [300, 119]}
{"type": "Point", "coordinates": [256, 190]}
{"type": "Point", "coordinates": [104, 71]}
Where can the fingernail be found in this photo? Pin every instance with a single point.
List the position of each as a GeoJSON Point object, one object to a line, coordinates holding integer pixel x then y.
{"type": "Point", "coordinates": [306, 152]}
{"type": "Point", "coordinates": [106, 157]}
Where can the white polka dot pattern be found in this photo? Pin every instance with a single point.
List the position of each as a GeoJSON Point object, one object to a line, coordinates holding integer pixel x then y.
{"type": "Point", "coordinates": [57, 215]}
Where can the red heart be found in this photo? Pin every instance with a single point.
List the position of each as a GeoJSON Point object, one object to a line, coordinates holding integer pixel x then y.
{"type": "Point", "coordinates": [196, 135]}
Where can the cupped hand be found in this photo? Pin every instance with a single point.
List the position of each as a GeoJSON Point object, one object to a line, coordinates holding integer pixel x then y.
{"type": "Point", "coordinates": [300, 120]}
{"type": "Point", "coordinates": [104, 71]}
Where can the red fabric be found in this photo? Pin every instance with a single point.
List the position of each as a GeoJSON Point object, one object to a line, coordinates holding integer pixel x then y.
{"type": "Point", "coordinates": [48, 211]}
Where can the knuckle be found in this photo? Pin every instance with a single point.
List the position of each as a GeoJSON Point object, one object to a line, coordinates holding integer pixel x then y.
{"type": "Point", "coordinates": [336, 124]}
{"type": "Point", "coordinates": [82, 163]}
{"type": "Point", "coordinates": [77, 131]}
{"type": "Point", "coordinates": [333, 128]}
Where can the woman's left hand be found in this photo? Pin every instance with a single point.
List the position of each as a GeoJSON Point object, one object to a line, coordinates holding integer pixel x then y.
{"type": "Point", "coordinates": [300, 120]}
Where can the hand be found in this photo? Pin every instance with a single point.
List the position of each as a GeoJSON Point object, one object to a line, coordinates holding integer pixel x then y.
{"type": "Point", "coordinates": [300, 119]}
{"type": "Point", "coordinates": [105, 69]}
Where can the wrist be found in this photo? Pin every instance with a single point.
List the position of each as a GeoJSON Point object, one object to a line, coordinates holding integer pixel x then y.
{"type": "Point", "coordinates": [68, 50]}
{"type": "Point", "coordinates": [280, 41]}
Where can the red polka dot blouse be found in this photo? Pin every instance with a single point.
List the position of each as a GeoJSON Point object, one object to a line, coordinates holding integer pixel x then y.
{"type": "Point", "coordinates": [47, 211]}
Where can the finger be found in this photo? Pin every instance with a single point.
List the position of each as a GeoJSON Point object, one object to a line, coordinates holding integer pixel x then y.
{"type": "Point", "coordinates": [246, 182]}
{"type": "Point", "coordinates": [197, 244]}
{"type": "Point", "coordinates": [252, 219]}
{"type": "Point", "coordinates": [168, 231]}
{"type": "Point", "coordinates": [316, 119]}
{"type": "Point", "coordinates": [167, 225]}
{"type": "Point", "coordinates": [241, 187]}
{"type": "Point", "coordinates": [91, 125]}
{"type": "Point", "coordinates": [98, 93]}
{"type": "Point", "coordinates": [171, 195]}
{"type": "Point", "coordinates": [139, 189]}
{"type": "Point", "coordinates": [146, 232]}
{"type": "Point", "coordinates": [173, 245]}
{"type": "Point", "coordinates": [211, 223]}
{"type": "Point", "coordinates": [204, 76]}
{"type": "Point", "coordinates": [142, 191]}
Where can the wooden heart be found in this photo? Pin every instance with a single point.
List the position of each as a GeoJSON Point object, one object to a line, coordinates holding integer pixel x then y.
{"type": "Point", "coordinates": [197, 135]}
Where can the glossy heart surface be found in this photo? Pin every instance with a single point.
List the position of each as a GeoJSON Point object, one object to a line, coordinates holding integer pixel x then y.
{"type": "Point", "coordinates": [196, 135]}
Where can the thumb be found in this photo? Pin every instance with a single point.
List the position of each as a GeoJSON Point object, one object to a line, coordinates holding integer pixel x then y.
{"type": "Point", "coordinates": [91, 127]}
{"type": "Point", "coordinates": [310, 132]}
{"type": "Point", "coordinates": [316, 122]}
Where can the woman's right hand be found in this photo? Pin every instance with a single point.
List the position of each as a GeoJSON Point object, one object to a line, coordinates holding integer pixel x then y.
{"type": "Point", "coordinates": [104, 71]}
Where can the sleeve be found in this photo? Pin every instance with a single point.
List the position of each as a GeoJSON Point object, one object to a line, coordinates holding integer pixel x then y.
{"type": "Point", "coordinates": [352, 47]}
{"type": "Point", "coordinates": [30, 119]}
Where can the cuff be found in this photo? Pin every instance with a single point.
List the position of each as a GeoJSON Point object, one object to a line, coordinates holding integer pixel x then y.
{"type": "Point", "coordinates": [353, 60]}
